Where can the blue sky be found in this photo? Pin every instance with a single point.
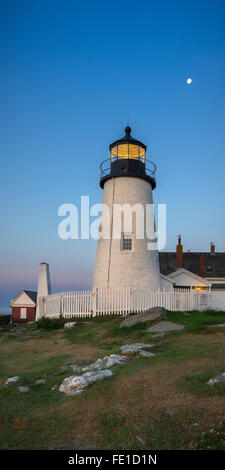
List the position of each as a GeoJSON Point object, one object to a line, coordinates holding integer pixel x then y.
{"type": "Point", "coordinates": [73, 74]}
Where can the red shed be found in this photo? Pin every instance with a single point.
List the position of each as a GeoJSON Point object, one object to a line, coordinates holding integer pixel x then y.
{"type": "Point", "coordinates": [24, 307]}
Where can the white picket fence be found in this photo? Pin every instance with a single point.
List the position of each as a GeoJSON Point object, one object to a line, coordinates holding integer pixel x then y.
{"type": "Point", "coordinates": [121, 301]}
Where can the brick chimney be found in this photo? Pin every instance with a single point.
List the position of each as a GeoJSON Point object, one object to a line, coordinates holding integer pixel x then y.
{"type": "Point", "coordinates": [202, 265]}
{"type": "Point", "coordinates": [212, 248]}
{"type": "Point", "coordinates": [179, 253]}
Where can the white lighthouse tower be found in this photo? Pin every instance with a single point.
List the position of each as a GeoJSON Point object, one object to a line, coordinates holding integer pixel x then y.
{"type": "Point", "coordinates": [127, 178]}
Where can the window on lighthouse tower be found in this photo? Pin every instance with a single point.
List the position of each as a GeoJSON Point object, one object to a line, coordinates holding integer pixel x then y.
{"type": "Point", "coordinates": [126, 241]}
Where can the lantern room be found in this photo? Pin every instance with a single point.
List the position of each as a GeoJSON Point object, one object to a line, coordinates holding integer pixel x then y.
{"type": "Point", "coordinates": [128, 158]}
{"type": "Point", "coordinates": [127, 147]}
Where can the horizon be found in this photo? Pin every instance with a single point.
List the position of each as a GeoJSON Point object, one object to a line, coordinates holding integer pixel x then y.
{"type": "Point", "coordinates": [7, 309]}
{"type": "Point", "coordinates": [72, 77]}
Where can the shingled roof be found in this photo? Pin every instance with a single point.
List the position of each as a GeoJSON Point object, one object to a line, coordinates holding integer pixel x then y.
{"type": "Point", "coordinates": [215, 263]}
{"type": "Point", "coordinates": [32, 294]}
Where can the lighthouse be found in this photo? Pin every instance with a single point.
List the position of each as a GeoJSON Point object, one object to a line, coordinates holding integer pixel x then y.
{"type": "Point", "coordinates": [123, 258]}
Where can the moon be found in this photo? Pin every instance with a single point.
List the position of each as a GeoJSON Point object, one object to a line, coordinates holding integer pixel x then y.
{"type": "Point", "coordinates": [189, 81]}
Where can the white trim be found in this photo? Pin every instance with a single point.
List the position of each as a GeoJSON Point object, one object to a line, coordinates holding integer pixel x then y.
{"type": "Point", "coordinates": [216, 279]}
{"type": "Point", "coordinates": [29, 300]}
{"type": "Point", "coordinates": [192, 275]}
{"type": "Point", "coordinates": [167, 278]}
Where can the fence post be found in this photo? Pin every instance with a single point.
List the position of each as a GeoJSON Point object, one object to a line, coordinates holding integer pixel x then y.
{"type": "Point", "coordinates": [191, 299]}
{"type": "Point", "coordinates": [129, 300]}
{"type": "Point", "coordinates": [209, 297]}
{"type": "Point", "coordinates": [61, 304]}
{"type": "Point", "coordinates": [93, 300]}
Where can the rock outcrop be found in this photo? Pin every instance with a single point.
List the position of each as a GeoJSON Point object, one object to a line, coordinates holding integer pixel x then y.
{"type": "Point", "coordinates": [135, 347]}
{"type": "Point", "coordinates": [165, 326]}
{"type": "Point", "coordinates": [75, 384]}
{"type": "Point", "coordinates": [149, 315]}
{"type": "Point", "coordinates": [70, 324]}
{"type": "Point", "coordinates": [23, 389]}
{"type": "Point", "coordinates": [217, 379]}
{"type": "Point", "coordinates": [11, 380]}
{"type": "Point", "coordinates": [40, 382]}
{"type": "Point", "coordinates": [146, 353]}
{"type": "Point", "coordinates": [104, 363]}
{"type": "Point", "coordinates": [99, 369]}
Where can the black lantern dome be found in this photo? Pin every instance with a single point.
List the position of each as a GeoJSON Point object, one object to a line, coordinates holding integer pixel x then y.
{"type": "Point", "coordinates": [128, 158]}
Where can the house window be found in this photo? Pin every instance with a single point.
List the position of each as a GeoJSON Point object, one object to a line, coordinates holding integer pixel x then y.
{"type": "Point", "coordinates": [126, 241]}
{"type": "Point", "coordinates": [23, 313]}
{"type": "Point", "coordinates": [209, 268]}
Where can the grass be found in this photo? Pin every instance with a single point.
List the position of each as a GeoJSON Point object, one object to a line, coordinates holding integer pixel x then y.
{"type": "Point", "coordinates": [197, 383]}
{"type": "Point", "coordinates": [198, 321]}
{"type": "Point", "coordinates": [162, 402]}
